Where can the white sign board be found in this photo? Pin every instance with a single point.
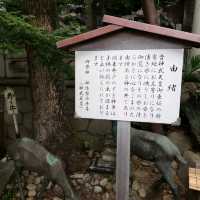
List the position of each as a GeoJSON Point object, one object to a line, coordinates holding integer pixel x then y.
{"type": "Point", "coordinates": [129, 85]}
{"type": "Point", "coordinates": [11, 103]}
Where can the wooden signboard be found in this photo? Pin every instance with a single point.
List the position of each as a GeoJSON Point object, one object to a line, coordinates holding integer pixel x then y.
{"type": "Point", "coordinates": [11, 105]}
{"type": "Point", "coordinates": [128, 71]}
{"type": "Point", "coordinates": [194, 179]}
{"type": "Point", "coordinates": [129, 85]}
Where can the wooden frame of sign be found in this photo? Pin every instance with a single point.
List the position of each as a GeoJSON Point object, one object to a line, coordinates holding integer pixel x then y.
{"type": "Point", "coordinates": [194, 178]}
{"type": "Point", "coordinates": [112, 64]}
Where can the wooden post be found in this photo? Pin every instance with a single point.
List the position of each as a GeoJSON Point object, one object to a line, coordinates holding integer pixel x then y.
{"type": "Point", "coordinates": [16, 124]}
{"type": "Point", "coordinates": [123, 160]}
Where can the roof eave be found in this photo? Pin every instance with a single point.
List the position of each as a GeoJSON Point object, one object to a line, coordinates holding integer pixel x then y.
{"type": "Point", "coordinates": [190, 38]}
{"type": "Point", "coordinates": [66, 43]}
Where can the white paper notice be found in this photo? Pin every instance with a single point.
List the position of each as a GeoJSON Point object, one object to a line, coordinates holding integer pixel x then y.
{"type": "Point", "coordinates": [129, 85]}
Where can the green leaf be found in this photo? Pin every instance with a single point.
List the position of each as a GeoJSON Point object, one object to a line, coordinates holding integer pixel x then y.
{"type": "Point", "coordinates": [191, 67]}
{"type": "Point", "coordinates": [195, 63]}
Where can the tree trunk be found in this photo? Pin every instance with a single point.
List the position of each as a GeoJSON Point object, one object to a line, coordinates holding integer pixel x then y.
{"type": "Point", "coordinates": [150, 12]}
{"type": "Point", "coordinates": [44, 13]}
{"type": "Point", "coordinates": [47, 113]}
{"type": "Point", "coordinates": [196, 25]}
{"type": "Point", "coordinates": [151, 17]}
{"type": "Point", "coordinates": [94, 10]}
{"type": "Point", "coordinates": [91, 18]}
{"type": "Point", "coordinates": [188, 15]}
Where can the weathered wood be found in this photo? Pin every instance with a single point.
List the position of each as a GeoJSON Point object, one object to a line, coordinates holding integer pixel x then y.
{"type": "Point", "coordinates": [194, 179]}
{"type": "Point", "coordinates": [192, 38]}
{"type": "Point", "coordinates": [189, 39]}
{"type": "Point", "coordinates": [88, 36]}
{"type": "Point", "coordinates": [128, 40]}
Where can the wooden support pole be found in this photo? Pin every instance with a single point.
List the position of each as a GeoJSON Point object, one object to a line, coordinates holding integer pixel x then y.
{"type": "Point", "coordinates": [16, 124]}
{"type": "Point", "coordinates": [123, 160]}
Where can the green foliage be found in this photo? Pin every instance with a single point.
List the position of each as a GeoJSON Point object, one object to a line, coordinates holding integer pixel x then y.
{"type": "Point", "coordinates": [13, 5]}
{"type": "Point", "coordinates": [124, 7]}
{"type": "Point", "coordinates": [15, 34]}
{"type": "Point", "coordinates": [70, 30]}
{"type": "Point", "coordinates": [191, 68]}
{"type": "Point", "coordinates": [161, 3]}
{"type": "Point", "coordinates": [64, 2]}
{"type": "Point", "coordinates": [8, 195]}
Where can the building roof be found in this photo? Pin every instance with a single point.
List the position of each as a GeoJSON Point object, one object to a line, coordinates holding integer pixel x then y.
{"type": "Point", "coordinates": [117, 23]}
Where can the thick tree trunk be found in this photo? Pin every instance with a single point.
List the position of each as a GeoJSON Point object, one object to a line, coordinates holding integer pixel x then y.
{"type": "Point", "coordinates": [151, 17]}
{"type": "Point", "coordinates": [94, 10]}
{"type": "Point", "coordinates": [150, 11]}
{"type": "Point", "coordinates": [188, 15]}
{"type": "Point", "coordinates": [47, 116]}
{"type": "Point", "coordinates": [47, 112]}
{"type": "Point", "coordinates": [91, 20]}
{"type": "Point", "coordinates": [196, 25]}
{"type": "Point", "coordinates": [44, 13]}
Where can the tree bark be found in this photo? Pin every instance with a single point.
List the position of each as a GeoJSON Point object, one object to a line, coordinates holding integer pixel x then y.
{"type": "Point", "coordinates": [47, 113]}
{"type": "Point", "coordinates": [150, 12]}
{"type": "Point", "coordinates": [188, 15]}
{"type": "Point", "coordinates": [94, 10]}
{"type": "Point", "coordinates": [196, 25]}
{"type": "Point", "coordinates": [151, 17]}
{"type": "Point", "coordinates": [44, 13]}
{"type": "Point", "coordinates": [91, 20]}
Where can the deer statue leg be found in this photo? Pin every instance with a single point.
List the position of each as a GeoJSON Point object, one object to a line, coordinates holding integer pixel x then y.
{"type": "Point", "coordinates": [62, 180]}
